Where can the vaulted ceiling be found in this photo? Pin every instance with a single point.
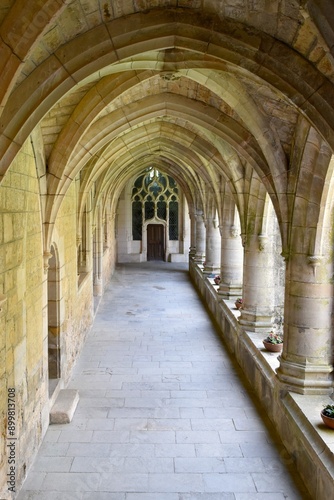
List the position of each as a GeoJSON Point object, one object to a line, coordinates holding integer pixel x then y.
{"type": "Point", "coordinates": [209, 90]}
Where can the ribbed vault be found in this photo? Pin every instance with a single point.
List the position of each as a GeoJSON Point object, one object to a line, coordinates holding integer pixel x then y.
{"type": "Point", "coordinates": [208, 91]}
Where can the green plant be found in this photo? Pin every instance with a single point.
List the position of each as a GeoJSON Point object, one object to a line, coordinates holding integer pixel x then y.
{"type": "Point", "coordinates": [274, 338]}
{"type": "Point", "coordinates": [239, 300]}
{"type": "Point", "coordinates": [328, 411]}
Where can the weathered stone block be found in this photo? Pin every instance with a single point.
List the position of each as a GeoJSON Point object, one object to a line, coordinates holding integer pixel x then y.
{"type": "Point", "coordinates": [63, 410]}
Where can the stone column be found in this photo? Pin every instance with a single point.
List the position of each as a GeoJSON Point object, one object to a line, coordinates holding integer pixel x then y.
{"type": "Point", "coordinates": [212, 247]}
{"type": "Point", "coordinates": [200, 238]}
{"type": "Point", "coordinates": [232, 253]}
{"type": "Point", "coordinates": [98, 260]}
{"type": "Point", "coordinates": [192, 249]}
{"type": "Point", "coordinates": [306, 364]}
{"type": "Point", "coordinates": [86, 243]}
{"type": "Point", "coordinates": [231, 267]}
{"type": "Point", "coordinates": [258, 284]}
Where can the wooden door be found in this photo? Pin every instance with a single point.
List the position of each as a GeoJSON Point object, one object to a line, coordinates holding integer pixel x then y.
{"type": "Point", "coordinates": [155, 242]}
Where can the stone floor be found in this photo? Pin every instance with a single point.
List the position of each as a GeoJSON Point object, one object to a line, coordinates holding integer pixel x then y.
{"type": "Point", "coordinates": [164, 414]}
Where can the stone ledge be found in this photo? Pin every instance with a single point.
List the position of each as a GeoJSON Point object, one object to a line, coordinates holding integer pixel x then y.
{"type": "Point", "coordinates": [63, 410]}
{"type": "Point", "coordinates": [317, 453]}
{"type": "Point", "coordinates": [296, 417]}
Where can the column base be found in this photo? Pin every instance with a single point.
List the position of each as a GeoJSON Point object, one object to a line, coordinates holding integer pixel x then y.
{"type": "Point", "coordinates": [305, 379]}
{"type": "Point", "coordinates": [211, 269]}
{"type": "Point", "coordinates": [98, 288]}
{"type": "Point", "coordinates": [192, 252]}
{"type": "Point", "coordinates": [199, 258]}
{"type": "Point", "coordinates": [254, 322]}
{"type": "Point", "coordinates": [230, 290]}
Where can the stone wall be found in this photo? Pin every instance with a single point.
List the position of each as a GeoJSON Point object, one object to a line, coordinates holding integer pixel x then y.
{"type": "Point", "coordinates": [24, 314]}
{"type": "Point", "coordinates": [77, 308]}
{"type": "Point", "coordinates": [22, 325]}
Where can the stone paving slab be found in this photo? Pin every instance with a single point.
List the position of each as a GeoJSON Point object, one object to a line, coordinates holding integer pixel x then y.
{"type": "Point", "coordinates": [164, 413]}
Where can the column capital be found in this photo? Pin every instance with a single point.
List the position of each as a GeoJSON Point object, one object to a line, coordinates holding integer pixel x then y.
{"type": "Point", "coordinates": [315, 261]}
{"type": "Point", "coordinates": [234, 231]}
{"type": "Point", "coordinates": [263, 241]}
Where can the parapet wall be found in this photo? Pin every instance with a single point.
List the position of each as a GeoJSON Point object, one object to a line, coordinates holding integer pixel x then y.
{"type": "Point", "coordinates": [295, 417]}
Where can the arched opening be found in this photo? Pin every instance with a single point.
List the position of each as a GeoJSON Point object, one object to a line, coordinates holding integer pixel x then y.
{"type": "Point", "coordinates": [153, 221]}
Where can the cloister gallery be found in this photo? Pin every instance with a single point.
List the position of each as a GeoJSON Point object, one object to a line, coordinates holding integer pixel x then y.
{"type": "Point", "coordinates": [180, 130]}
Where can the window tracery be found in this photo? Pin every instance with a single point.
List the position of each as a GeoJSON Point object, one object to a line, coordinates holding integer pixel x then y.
{"type": "Point", "coordinates": [155, 195]}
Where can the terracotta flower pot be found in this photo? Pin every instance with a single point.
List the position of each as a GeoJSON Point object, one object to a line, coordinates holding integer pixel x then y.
{"type": "Point", "coordinates": [238, 305]}
{"type": "Point", "coordinates": [272, 347]}
{"type": "Point", "coordinates": [327, 420]}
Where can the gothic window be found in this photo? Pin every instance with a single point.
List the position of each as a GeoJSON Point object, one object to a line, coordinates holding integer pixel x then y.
{"type": "Point", "coordinates": [155, 194]}
{"type": "Point", "coordinates": [149, 209]}
{"type": "Point", "coordinates": [137, 220]}
{"type": "Point", "coordinates": [161, 210]}
{"type": "Point", "coordinates": [173, 220]}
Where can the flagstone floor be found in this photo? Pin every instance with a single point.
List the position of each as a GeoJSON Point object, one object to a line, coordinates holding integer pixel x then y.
{"type": "Point", "coordinates": [164, 413]}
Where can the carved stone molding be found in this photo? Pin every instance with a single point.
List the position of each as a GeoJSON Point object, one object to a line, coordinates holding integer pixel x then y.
{"type": "Point", "coordinates": [285, 254]}
{"type": "Point", "coordinates": [263, 241]}
{"type": "Point", "coordinates": [169, 76]}
{"type": "Point", "coordinates": [234, 232]}
{"type": "Point", "coordinates": [314, 261]}
{"type": "Point", "coordinates": [46, 257]}
{"type": "Point", "coordinates": [243, 239]}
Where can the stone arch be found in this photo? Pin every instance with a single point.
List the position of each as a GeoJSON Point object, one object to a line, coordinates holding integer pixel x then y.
{"type": "Point", "coordinates": [20, 30]}
{"type": "Point", "coordinates": [95, 50]}
{"type": "Point", "coordinates": [183, 157]}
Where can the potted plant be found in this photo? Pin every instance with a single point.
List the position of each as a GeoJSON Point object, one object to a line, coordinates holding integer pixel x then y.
{"type": "Point", "coordinates": [216, 279]}
{"type": "Point", "coordinates": [327, 415]}
{"type": "Point", "coordinates": [273, 342]}
{"type": "Point", "coordinates": [238, 303]}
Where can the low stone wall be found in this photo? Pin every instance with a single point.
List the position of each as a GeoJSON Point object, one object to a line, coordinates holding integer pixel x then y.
{"type": "Point", "coordinates": [295, 417]}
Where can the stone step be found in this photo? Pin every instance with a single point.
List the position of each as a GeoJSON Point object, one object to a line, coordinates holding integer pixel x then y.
{"type": "Point", "coordinates": [63, 410]}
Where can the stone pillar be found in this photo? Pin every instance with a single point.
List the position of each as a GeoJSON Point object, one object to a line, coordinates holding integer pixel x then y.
{"type": "Point", "coordinates": [306, 364]}
{"type": "Point", "coordinates": [98, 260]}
{"type": "Point", "coordinates": [212, 246]}
{"type": "Point", "coordinates": [192, 249]}
{"type": "Point", "coordinates": [231, 267]}
{"type": "Point", "coordinates": [232, 253]}
{"type": "Point", "coordinates": [258, 284]}
{"type": "Point", "coordinates": [86, 243]}
{"type": "Point", "coordinates": [200, 238]}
